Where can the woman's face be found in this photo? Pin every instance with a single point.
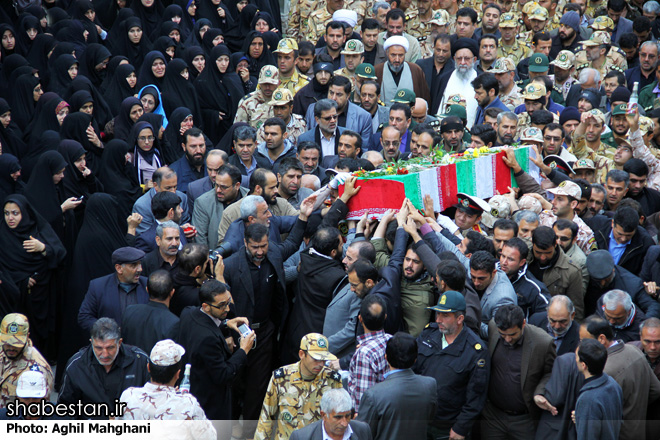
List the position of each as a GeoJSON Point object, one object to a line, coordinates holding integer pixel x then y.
{"type": "Point", "coordinates": [192, 9]}
{"type": "Point", "coordinates": [8, 40]}
{"type": "Point", "coordinates": [222, 63]}
{"type": "Point", "coordinates": [73, 71]}
{"type": "Point", "coordinates": [32, 32]}
{"type": "Point", "coordinates": [90, 14]}
{"type": "Point", "coordinates": [218, 40]}
{"type": "Point", "coordinates": [261, 26]}
{"type": "Point", "coordinates": [135, 34]}
{"type": "Point", "coordinates": [131, 79]}
{"type": "Point", "coordinates": [13, 215]}
{"type": "Point", "coordinates": [187, 123]}
{"type": "Point", "coordinates": [256, 47]}
{"type": "Point", "coordinates": [81, 163]}
{"type": "Point", "coordinates": [185, 74]}
{"type": "Point", "coordinates": [242, 65]}
{"type": "Point", "coordinates": [145, 139]}
{"type": "Point", "coordinates": [37, 92]}
{"type": "Point", "coordinates": [199, 62]}
{"type": "Point", "coordinates": [203, 30]}
{"type": "Point", "coordinates": [158, 68]}
{"type": "Point", "coordinates": [62, 114]}
{"type": "Point", "coordinates": [5, 118]}
{"type": "Point", "coordinates": [148, 3]}
{"type": "Point", "coordinates": [88, 108]}
{"type": "Point", "coordinates": [136, 113]}
{"type": "Point", "coordinates": [175, 35]}
{"type": "Point", "coordinates": [102, 65]}
{"type": "Point", "coordinates": [241, 4]}
{"type": "Point", "coordinates": [176, 19]}
{"type": "Point", "coordinates": [170, 51]}
{"type": "Point", "coordinates": [57, 178]}
{"type": "Point", "coordinates": [148, 102]}
{"type": "Point", "coordinates": [16, 175]}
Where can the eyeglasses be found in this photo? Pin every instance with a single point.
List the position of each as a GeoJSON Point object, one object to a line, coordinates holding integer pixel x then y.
{"type": "Point", "coordinates": [146, 139]}
{"type": "Point", "coordinates": [564, 239]}
{"type": "Point", "coordinates": [391, 144]}
{"type": "Point", "coordinates": [221, 306]}
{"type": "Point", "coordinates": [329, 118]}
{"type": "Point", "coordinates": [552, 138]}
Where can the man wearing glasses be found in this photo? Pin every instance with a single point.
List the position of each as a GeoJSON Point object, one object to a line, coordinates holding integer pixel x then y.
{"type": "Point", "coordinates": [327, 131]}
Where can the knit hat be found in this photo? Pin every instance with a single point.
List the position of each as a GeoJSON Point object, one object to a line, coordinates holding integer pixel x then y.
{"type": "Point", "coordinates": [620, 94]}
{"type": "Point", "coordinates": [569, 114]}
{"type": "Point", "coordinates": [592, 97]}
{"type": "Point", "coordinates": [571, 19]}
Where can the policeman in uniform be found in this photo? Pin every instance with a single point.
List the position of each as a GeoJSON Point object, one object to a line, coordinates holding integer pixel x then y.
{"type": "Point", "coordinates": [612, 60]}
{"type": "Point", "coordinates": [254, 108]}
{"type": "Point", "coordinates": [458, 360]}
{"type": "Point", "coordinates": [513, 98]}
{"type": "Point", "coordinates": [514, 48]}
{"type": "Point", "coordinates": [353, 56]}
{"type": "Point", "coordinates": [296, 81]}
{"type": "Point", "coordinates": [282, 104]}
{"type": "Point", "coordinates": [18, 355]}
{"type": "Point", "coordinates": [294, 392]}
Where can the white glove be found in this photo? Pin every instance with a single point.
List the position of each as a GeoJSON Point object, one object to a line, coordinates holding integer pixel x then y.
{"type": "Point", "coordinates": [339, 179]}
{"type": "Point", "coordinates": [447, 223]}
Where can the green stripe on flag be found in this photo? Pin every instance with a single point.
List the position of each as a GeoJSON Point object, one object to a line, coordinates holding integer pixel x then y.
{"type": "Point", "coordinates": [465, 177]}
{"type": "Point", "coordinates": [412, 186]}
{"type": "Point", "coordinates": [522, 156]}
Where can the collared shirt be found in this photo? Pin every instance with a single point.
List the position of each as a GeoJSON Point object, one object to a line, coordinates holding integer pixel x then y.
{"type": "Point", "coordinates": [245, 179]}
{"type": "Point", "coordinates": [391, 372]}
{"type": "Point", "coordinates": [368, 365]}
{"type": "Point", "coordinates": [558, 339]}
{"type": "Point", "coordinates": [217, 321]}
{"type": "Point", "coordinates": [404, 141]}
{"type": "Point", "coordinates": [328, 145]}
{"type": "Point", "coordinates": [616, 249]}
{"type": "Point", "coordinates": [347, 433]}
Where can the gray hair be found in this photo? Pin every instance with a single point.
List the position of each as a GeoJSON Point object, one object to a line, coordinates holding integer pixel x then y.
{"type": "Point", "coordinates": [598, 188]}
{"type": "Point", "coordinates": [564, 301]}
{"type": "Point", "coordinates": [367, 154]}
{"type": "Point", "coordinates": [379, 5]}
{"type": "Point", "coordinates": [586, 73]}
{"type": "Point", "coordinates": [528, 216]}
{"type": "Point", "coordinates": [220, 153]}
{"type": "Point", "coordinates": [106, 329]}
{"type": "Point", "coordinates": [249, 206]}
{"type": "Point", "coordinates": [651, 7]}
{"type": "Point", "coordinates": [312, 180]}
{"type": "Point", "coordinates": [323, 105]}
{"type": "Point", "coordinates": [511, 116]}
{"type": "Point", "coordinates": [615, 298]}
{"type": "Point", "coordinates": [336, 400]}
{"type": "Point", "coordinates": [165, 225]}
{"type": "Point", "coordinates": [245, 132]}
{"type": "Point", "coordinates": [618, 176]}
{"type": "Point", "coordinates": [649, 323]}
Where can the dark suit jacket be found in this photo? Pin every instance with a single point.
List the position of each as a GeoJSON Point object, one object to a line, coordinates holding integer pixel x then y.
{"type": "Point", "coordinates": [145, 324]}
{"type": "Point", "coordinates": [102, 300]}
{"type": "Point", "coordinates": [400, 406]}
{"type": "Point", "coordinates": [428, 68]}
{"type": "Point", "coordinates": [278, 225]}
{"type": "Point", "coordinates": [310, 136]}
{"type": "Point", "coordinates": [330, 161]}
{"type": "Point", "coordinates": [537, 358]}
{"type": "Point", "coordinates": [214, 367]}
{"type": "Point", "coordinates": [146, 241]}
{"type": "Point", "coordinates": [196, 189]}
{"type": "Point", "coordinates": [314, 431]}
{"type": "Point", "coordinates": [184, 173]}
{"type": "Point", "coordinates": [376, 146]}
{"type": "Point", "coordinates": [624, 26]}
{"type": "Point", "coordinates": [571, 339]}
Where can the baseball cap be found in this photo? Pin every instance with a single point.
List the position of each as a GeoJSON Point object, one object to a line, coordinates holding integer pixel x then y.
{"type": "Point", "coordinates": [286, 45]}
{"type": "Point", "coordinates": [567, 188]}
{"type": "Point", "coordinates": [14, 330]}
{"type": "Point", "coordinates": [31, 384]}
{"type": "Point", "coordinates": [166, 353]}
{"type": "Point", "coordinates": [565, 59]}
{"type": "Point", "coordinates": [472, 204]}
{"type": "Point", "coordinates": [620, 109]}
{"type": "Point", "coordinates": [439, 17]}
{"type": "Point", "coordinates": [600, 264]}
{"type": "Point", "coordinates": [534, 91]}
{"type": "Point", "coordinates": [365, 70]}
{"type": "Point", "coordinates": [281, 97]}
{"type": "Point", "coordinates": [499, 208]}
{"type": "Point", "coordinates": [591, 96]}
{"type": "Point", "coordinates": [316, 345]}
{"type": "Point", "coordinates": [127, 254]}
{"type": "Point", "coordinates": [538, 62]}
{"type": "Point", "coordinates": [456, 110]}
{"type": "Point", "coordinates": [503, 65]}
{"type": "Point", "coordinates": [449, 302]}
{"type": "Point", "coordinates": [531, 134]}
{"type": "Point", "coordinates": [602, 23]}
{"type": "Point", "coordinates": [269, 75]}
{"type": "Point", "coordinates": [597, 115]}
{"type": "Point", "coordinates": [584, 164]}
{"type": "Point", "coordinates": [597, 38]}
{"type": "Point", "coordinates": [529, 203]}
{"type": "Point", "coordinates": [404, 96]}
{"type": "Point", "coordinates": [538, 13]}
{"type": "Point", "coordinates": [509, 19]}
{"type": "Point", "coordinates": [554, 161]}
{"type": "Point", "coordinates": [353, 47]}
{"type": "Point", "coordinates": [646, 124]}
{"type": "Point", "coordinates": [456, 99]}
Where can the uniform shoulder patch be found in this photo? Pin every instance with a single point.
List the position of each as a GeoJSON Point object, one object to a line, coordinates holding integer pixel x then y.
{"type": "Point", "coordinates": [478, 347]}
{"type": "Point", "coordinates": [481, 363]}
{"type": "Point", "coordinates": [279, 373]}
{"type": "Point", "coordinates": [336, 376]}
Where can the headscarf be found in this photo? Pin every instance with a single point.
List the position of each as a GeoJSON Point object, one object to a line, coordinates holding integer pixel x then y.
{"type": "Point", "coordinates": [79, 99]}
{"type": "Point", "coordinates": [74, 128]}
{"type": "Point", "coordinates": [94, 55]}
{"type": "Point", "coordinates": [115, 61]}
{"type": "Point", "coordinates": [149, 16]}
{"type": "Point", "coordinates": [187, 22]}
{"type": "Point", "coordinates": [235, 37]}
{"type": "Point", "coordinates": [11, 137]}
{"type": "Point", "coordinates": [23, 42]}
{"type": "Point", "coordinates": [170, 12]}
{"type": "Point", "coordinates": [123, 121]}
{"type": "Point", "coordinates": [264, 16]}
{"type": "Point", "coordinates": [77, 9]}
{"type": "Point", "coordinates": [189, 55]}
{"type": "Point", "coordinates": [45, 117]}
{"type": "Point", "coordinates": [152, 156]}
{"type": "Point", "coordinates": [75, 185]}
{"type": "Point", "coordinates": [116, 30]}
{"type": "Point", "coordinates": [9, 164]}
{"type": "Point", "coordinates": [207, 40]}
{"type": "Point", "coordinates": [73, 31]}
{"type": "Point", "coordinates": [9, 66]}
{"type": "Point", "coordinates": [61, 48]}
{"type": "Point", "coordinates": [4, 52]}
{"type": "Point", "coordinates": [44, 195]}
{"type": "Point", "coordinates": [206, 9]}
{"type": "Point", "coordinates": [46, 141]}
{"type": "Point", "coordinates": [38, 54]}
{"type": "Point", "coordinates": [118, 177]}
{"type": "Point", "coordinates": [162, 44]}
{"type": "Point", "coordinates": [102, 111]}
{"type": "Point", "coordinates": [179, 92]}
{"type": "Point", "coordinates": [266, 57]}
{"type": "Point", "coordinates": [146, 76]}
{"type": "Point", "coordinates": [172, 136]}
{"type": "Point", "coordinates": [155, 92]}
{"type": "Point", "coordinates": [118, 89]}
{"type": "Point", "coordinates": [134, 52]}
{"type": "Point", "coordinates": [22, 100]}
{"type": "Point", "coordinates": [194, 38]}
{"type": "Point", "coordinates": [61, 79]}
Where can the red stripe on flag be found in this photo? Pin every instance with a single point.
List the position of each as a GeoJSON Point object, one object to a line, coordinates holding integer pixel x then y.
{"type": "Point", "coordinates": [376, 196]}
{"type": "Point", "coordinates": [502, 174]}
{"type": "Point", "coordinates": [447, 185]}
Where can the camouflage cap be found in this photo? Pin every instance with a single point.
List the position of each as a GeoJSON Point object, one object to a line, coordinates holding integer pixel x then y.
{"type": "Point", "coordinates": [534, 91]}
{"type": "Point", "coordinates": [538, 13]}
{"type": "Point", "coordinates": [353, 47]}
{"type": "Point", "coordinates": [567, 188]}
{"type": "Point", "coordinates": [584, 164]}
{"type": "Point", "coordinates": [565, 60]}
{"type": "Point", "coordinates": [529, 7]}
{"type": "Point", "coordinates": [620, 109]}
{"type": "Point", "coordinates": [366, 71]}
{"type": "Point", "coordinates": [503, 65]}
{"type": "Point", "coordinates": [166, 353]}
{"type": "Point", "coordinates": [269, 75]}
{"type": "Point", "coordinates": [14, 330]}
{"type": "Point", "coordinates": [538, 63]}
{"type": "Point", "coordinates": [31, 384]}
{"type": "Point", "coordinates": [456, 99]}
{"type": "Point", "coordinates": [602, 23]}
{"type": "Point", "coordinates": [509, 20]}
{"type": "Point", "coordinates": [529, 203]}
{"type": "Point", "coordinates": [450, 302]}
{"type": "Point", "coordinates": [439, 17]}
{"type": "Point", "coordinates": [499, 208]}
{"type": "Point", "coordinates": [531, 134]}
{"type": "Point", "coordinates": [646, 124]}
{"type": "Point", "coordinates": [597, 38]}
{"type": "Point", "coordinates": [281, 97]}
{"type": "Point", "coordinates": [404, 96]}
{"type": "Point", "coordinates": [286, 45]}
{"type": "Point", "coordinates": [316, 345]}
{"type": "Point", "coordinates": [597, 115]}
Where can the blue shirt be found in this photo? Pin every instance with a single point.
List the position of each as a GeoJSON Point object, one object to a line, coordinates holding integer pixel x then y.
{"type": "Point", "coordinates": [390, 372]}
{"type": "Point", "coordinates": [616, 249]}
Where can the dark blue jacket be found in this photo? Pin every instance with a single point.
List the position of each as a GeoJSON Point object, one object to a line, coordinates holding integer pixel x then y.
{"type": "Point", "coordinates": [196, 189]}
{"type": "Point", "coordinates": [102, 300]}
{"type": "Point", "coordinates": [145, 324]}
{"type": "Point", "coordinates": [278, 225]}
{"type": "Point", "coordinates": [599, 409]}
{"type": "Point", "coordinates": [146, 241]}
{"type": "Point", "coordinates": [184, 173]}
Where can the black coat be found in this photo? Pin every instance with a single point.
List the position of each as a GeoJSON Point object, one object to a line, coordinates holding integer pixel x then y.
{"type": "Point", "coordinates": [145, 324]}
{"type": "Point", "coordinates": [571, 339]}
{"type": "Point", "coordinates": [649, 198]}
{"type": "Point", "coordinates": [633, 257]}
{"type": "Point", "coordinates": [153, 262]}
{"type": "Point", "coordinates": [213, 367]}
{"type": "Point", "coordinates": [186, 292]}
{"type": "Point", "coordinates": [629, 333]}
{"type": "Point", "coordinates": [651, 267]}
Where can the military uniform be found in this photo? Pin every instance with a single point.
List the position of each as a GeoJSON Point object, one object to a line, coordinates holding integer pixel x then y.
{"type": "Point", "coordinates": [359, 6]}
{"type": "Point", "coordinates": [351, 76]}
{"type": "Point", "coordinates": [516, 52]}
{"type": "Point", "coordinates": [415, 26]}
{"type": "Point", "coordinates": [254, 109]}
{"type": "Point", "coordinates": [615, 60]}
{"type": "Point", "coordinates": [318, 18]}
{"type": "Point", "coordinates": [525, 121]}
{"type": "Point", "coordinates": [294, 83]}
{"type": "Point", "coordinates": [512, 99]}
{"type": "Point", "coordinates": [585, 237]}
{"type": "Point", "coordinates": [299, 17]}
{"type": "Point", "coordinates": [292, 402]}
{"type": "Point", "coordinates": [10, 369]}
{"type": "Point", "coordinates": [552, 24]}
{"type": "Point", "coordinates": [294, 129]}
{"type": "Point", "coordinates": [603, 157]}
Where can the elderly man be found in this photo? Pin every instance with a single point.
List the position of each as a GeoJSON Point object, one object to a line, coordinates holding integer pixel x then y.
{"type": "Point", "coordinates": [397, 73]}
{"type": "Point", "coordinates": [617, 308]}
{"type": "Point", "coordinates": [559, 322]}
{"type": "Point", "coordinates": [18, 355]}
{"type": "Point", "coordinates": [214, 160]}
{"type": "Point", "coordinates": [465, 52]}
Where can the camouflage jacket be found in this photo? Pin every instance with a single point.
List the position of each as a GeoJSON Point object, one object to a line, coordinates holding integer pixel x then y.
{"type": "Point", "coordinates": [254, 109]}
{"type": "Point", "coordinates": [10, 369]}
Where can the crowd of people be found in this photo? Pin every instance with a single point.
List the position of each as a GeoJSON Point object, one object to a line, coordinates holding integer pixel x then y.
{"type": "Point", "coordinates": [176, 179]}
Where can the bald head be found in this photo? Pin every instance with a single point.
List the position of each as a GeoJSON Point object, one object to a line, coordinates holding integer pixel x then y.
{"type": "Point", "coordinates": [420, 109]}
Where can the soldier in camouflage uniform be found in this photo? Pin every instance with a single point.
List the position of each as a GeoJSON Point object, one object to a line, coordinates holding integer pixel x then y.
{"type": "Point", "coordinates": [438, 25]}
{"type": "Point", "coordinates": [287, 48]}
{"type": "Point", "coordinates": [533, 91]}
{"type": "Point", "coordinates": [538, 18]}
{"type": "Point", "coordinates": [353, 56]}
{"type": "Point", "coordinates": [417, 21]}
{"type": "Point", "coordinates": [293, 400]}
{"type": "Point", "coordinates": [18, 355]}
{"type": "Point", "coordinates": [509, 46]}
{"type": "Point", "coordinates": [600, 153]}
{"type": "Point", "coordinates": [282, 104]}
{"type": "Point", "coordinates": [299, 17]}
{"type": "Point", "coordinates": [504, 70]}
{"type": "Point", "coordinates": [318, 19]}
{"type": "Point", "coordinates": [254, 108]}
{"type": "Point", "coordinates": [596, 55]}
{"type": "Point", "coordinates": [565, 61]}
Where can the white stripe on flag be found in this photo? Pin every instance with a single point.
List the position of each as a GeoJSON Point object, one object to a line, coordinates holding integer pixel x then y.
{"type": "Point", "coordinates": [428, 183]}
{"type": "Point", "coordinates": [483, 171]}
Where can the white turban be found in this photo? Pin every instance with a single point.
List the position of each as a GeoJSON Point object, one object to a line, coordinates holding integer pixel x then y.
{"type": "Point", "coordinates": [397, 40]}
{"type": "Point", "coordinates": [346, 15]}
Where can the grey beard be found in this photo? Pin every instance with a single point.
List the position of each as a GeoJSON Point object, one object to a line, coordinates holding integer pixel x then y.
{"type": "Point", "coordinates": [463, 72]}
{"type": "Point", "coordinates": [395, 69]}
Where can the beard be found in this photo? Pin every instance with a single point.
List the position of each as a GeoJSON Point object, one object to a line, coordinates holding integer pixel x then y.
{"type": "Point", "coordinates": [463, 71]}
{"type": "Point", "coordinates": [395, 69]}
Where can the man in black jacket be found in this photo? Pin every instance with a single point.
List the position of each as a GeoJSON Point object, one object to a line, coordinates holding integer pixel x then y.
{"type": "Point", "coordinates": [622, 237]}
{"type": "Point", "coordinates": [638, 189]}
{"type": "Point", "coordinates": [193, 261]}
{"type": "Point", "coordinates": [100, 372]}
{"type": "Point", "coordinates": [214, 365]}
